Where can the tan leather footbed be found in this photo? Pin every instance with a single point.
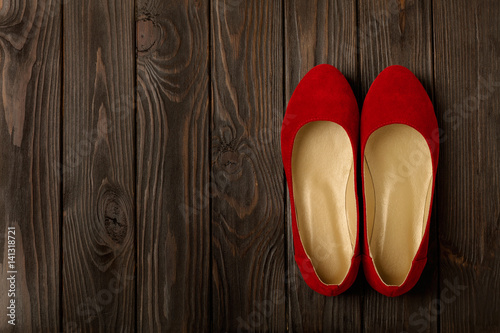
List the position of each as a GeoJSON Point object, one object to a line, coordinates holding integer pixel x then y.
{"type": "Point", "coordinates": [398, 185]}
{"type": "Point", "coordinates": [324, 195]}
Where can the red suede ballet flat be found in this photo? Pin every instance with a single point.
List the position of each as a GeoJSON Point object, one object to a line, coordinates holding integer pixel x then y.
{"type": "Point", "coordinates": [319, 140]}
{"type": "Point", "coordinates": [400, 148]}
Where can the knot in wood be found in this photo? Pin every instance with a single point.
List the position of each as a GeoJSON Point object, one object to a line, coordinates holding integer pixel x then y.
{"type": "Point", "coordinates": [147, 34]}
{"type": "Point", "coordinates": [113, 212]}
{"type": "Point", "coordinates": [229, 160]}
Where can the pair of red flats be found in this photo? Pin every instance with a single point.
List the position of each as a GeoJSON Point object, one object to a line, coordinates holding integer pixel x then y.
{"type": "Point", "coordinates": [399, 150]}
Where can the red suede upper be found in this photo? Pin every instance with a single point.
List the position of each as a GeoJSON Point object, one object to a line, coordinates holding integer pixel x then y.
{"type": "Point", "coordinates": [322, 95]}
{"type": "Point", "coordinates": [397, 97]}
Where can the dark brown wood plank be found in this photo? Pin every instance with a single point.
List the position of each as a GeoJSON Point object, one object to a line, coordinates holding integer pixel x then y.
{"type": "Point", "coordinates": [467, 80]}
{"type": "Point", "coordinates": [173, 119]}
{"type": "Point", "coordinates": [320, 31]}
{"type": "Point", "coordinates": [99, 166]}
{"type": "Point", "coordinates": [390, 33]}
{"type": "Point", "coordinates": [30, 190]}
{"type": "Point", "coordinates": [248, 199]}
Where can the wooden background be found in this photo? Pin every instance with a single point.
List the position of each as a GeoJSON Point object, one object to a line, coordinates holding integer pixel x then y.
{"type": "Point", "coordinates": [140, 161]}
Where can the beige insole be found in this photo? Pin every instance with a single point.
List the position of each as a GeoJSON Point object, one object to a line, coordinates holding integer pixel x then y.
{"type": "Point", "coordinates": [325, 202]}
{"type": "Point", "coordinates": [398, 185]}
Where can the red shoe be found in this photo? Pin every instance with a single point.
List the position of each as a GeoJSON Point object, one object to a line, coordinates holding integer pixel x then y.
{"type": "Point", "coordinates": [399, 147]}
{"type": "Point", "coordinates": [319, 141]}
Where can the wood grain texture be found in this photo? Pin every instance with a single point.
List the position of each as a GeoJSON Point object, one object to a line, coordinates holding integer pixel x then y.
{"type": "Point", "coordinates": [173, 183]}
{"type": "Point", "coordinates": [248, 199]}
{"type": "Point", "coordinates": [467, 76]}
{"type": "Point", "coordinates": [171, 214]}
{"type": "Point", "coordinates": [30, 85]}
{"type": "Point", "coordinates": [316, 32]}
{"type": "Point", "coordinates": [400, 32]}
{"type": "Point", "coordinates": [99, 166]}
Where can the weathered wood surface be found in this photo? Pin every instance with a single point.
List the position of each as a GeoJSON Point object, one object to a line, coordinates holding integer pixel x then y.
{"type": "Point", "coordinates": [30, 188]}
{"type": "Point", "coordinates": [248, 262]}
{"type": "Point", "coordinates": [98, 258]}
{"type": "Point", "coordinates": [467, 90]}
{"type": "Point", "coordinates": [173, 119]}
{"type": "Point", "coordinates": [140, 161]}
